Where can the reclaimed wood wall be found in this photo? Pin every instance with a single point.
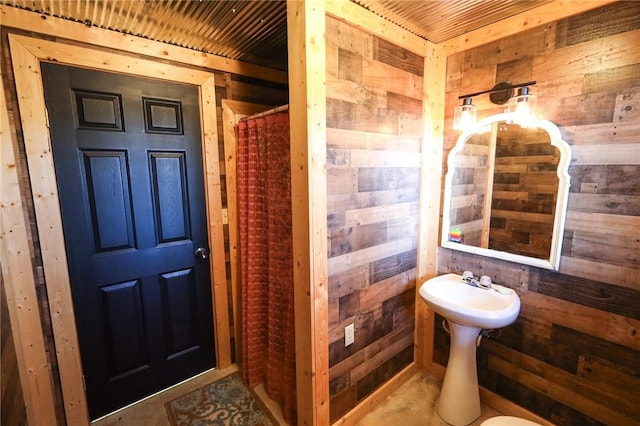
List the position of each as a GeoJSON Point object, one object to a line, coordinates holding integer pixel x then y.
{"type": "Point", "coordinates": [374, 130]}
{"type": "Point", "coordinates": [13, 405]}
{"type": "Point", "coordinates": [525, 184]}
{"type": "Point", "coordinates": [573, 354]}
{"type": "Point", "coordinates": [469, 187]}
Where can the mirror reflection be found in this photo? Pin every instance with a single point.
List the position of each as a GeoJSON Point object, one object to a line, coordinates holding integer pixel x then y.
{"type": "Point", "coordinates": [506, 190]}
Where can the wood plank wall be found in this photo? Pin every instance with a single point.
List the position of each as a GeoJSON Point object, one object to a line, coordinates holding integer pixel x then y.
{"type": "Point", "coordinates": [374, 130]}
{"type": "Point", "coordinates": [228, 86]}
{"type": "Point", "coordinates": [525, 185]}
{"type": "Point", "coordinates": [469, 189]}
{"type": "Point", "coordinates": [13, 406]}
{"type": "Point", "coordinates": [572, 355]}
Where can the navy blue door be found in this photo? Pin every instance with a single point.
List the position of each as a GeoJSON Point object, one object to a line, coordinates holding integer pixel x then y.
{"type": "Point", "coordinates": [128, 161]}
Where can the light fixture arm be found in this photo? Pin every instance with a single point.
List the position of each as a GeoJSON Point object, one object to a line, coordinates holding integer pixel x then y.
{"type": "Point", "coordinates": [500, 87]}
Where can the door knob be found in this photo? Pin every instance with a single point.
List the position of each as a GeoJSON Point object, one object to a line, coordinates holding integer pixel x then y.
{"type": "Point", "coordinates": [202, 253]}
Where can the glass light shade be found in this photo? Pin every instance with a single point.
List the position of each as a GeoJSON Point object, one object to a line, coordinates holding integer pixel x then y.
{"type": "Point", "coordinates": [464, 116]}
{"type": "Point", "coordinates": [523, 106]}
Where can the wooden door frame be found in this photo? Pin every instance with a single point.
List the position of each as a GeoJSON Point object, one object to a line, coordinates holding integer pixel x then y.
{"type": "Point", "coordinates": [26, 54]}
{"type": "Point", "coordinates": [19, 284]}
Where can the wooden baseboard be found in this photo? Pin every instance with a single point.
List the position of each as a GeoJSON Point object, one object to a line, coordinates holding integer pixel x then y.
{"type": "Point", "coordinates": [437, 370]}
{"type": "Point", "coordinates": [379, 395]}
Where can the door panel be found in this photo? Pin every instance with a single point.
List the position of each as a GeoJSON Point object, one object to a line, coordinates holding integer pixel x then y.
{"type": "Point", "coordinates": [179, 303]}
{"type": "Point", "coordinates": [112, 221]}
{"type": "Point", "coordinates": [128, 349]}
{"type": "Point", "coordinates": [171, 208]}
{"type": "Point", "coordinates": [128, 162]}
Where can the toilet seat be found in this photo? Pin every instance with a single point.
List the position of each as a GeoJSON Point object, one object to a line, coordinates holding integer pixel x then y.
{"type": "Point", "coordinates": [508, 421]}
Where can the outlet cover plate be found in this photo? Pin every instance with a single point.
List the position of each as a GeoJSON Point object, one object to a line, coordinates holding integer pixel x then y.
{"type": "Point", "coordinates": [349, 334]}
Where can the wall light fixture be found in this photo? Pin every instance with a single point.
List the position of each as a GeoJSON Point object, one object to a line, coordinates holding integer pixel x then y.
{"type": "Point", "coordinates": [465, 115]}
{"type": "Point", "coordinates": [523, 105]}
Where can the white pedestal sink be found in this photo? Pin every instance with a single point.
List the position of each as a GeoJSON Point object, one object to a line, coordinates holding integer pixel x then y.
{"type": "Point", "coordinates": [468, 310]}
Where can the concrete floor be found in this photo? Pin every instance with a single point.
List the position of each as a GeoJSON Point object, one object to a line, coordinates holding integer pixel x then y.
{"type": "Point", "coordinates": [413, 404]}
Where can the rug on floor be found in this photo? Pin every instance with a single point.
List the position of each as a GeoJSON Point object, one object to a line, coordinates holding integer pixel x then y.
{"type": "Point", "coordinates": [225, 402]}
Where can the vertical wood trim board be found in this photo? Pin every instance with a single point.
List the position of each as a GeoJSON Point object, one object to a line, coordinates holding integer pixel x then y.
{"type": "Point", "coordinates": [435, 69]}
{"type": "Point", "coordinates": [491, 164]}
{"type": "Point", "coordinates": [213, 194]}
{"type": "Point", "coordinates": [26, 55]}
{"type": "Point", "coordinates": [26, 67]}
{"type": "Point", "coordinates": [20, 287]}
{"type": "Point", "coordinates": [307, 112]}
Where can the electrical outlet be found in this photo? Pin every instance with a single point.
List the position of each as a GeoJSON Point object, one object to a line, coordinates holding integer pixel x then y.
{"type": "Point", "coordinates": [349, 334]}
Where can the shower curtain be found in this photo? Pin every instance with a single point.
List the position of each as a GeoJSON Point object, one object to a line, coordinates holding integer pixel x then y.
{"type": "Point", "coordinates": [266, 257]}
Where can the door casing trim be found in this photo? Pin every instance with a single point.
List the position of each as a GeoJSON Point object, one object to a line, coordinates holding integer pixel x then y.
{"type": "Point", "coordinates": [26, 54]}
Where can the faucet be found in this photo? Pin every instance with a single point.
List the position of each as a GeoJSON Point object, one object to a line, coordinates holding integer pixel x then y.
{"type": "Point", "coordinates": [484, 282]}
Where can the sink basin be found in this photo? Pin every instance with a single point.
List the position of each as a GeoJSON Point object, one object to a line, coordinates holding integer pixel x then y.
{"type": "Point", "coordinates": [471, 306]}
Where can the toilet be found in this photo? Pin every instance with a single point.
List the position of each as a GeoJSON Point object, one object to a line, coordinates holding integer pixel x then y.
{"type": "Point", "coordinates": [508, 421]}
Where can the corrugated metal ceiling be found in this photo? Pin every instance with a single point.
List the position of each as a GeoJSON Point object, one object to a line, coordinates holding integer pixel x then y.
{"type": "Point", "coordinates": [256, 31]}
{"type": "Point", "coordinates": [249, 31]}
{"type": "Point", "coordinates": [441, 20]}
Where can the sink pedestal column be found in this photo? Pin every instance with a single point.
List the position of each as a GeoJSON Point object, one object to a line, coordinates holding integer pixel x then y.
{"type": "Point", "coordinates": [460, 396]}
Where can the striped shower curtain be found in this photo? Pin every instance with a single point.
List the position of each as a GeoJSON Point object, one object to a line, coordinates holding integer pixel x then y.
{"type": "Point", "coordinates": [266, 258]}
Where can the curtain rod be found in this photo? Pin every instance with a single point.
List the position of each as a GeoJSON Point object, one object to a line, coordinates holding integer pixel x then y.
{"type": "Point", "coordinates": [268, 112]}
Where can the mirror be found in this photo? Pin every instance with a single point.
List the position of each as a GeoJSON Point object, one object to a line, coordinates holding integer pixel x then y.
{"type": "Point", "coordinates": [506, 191]}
